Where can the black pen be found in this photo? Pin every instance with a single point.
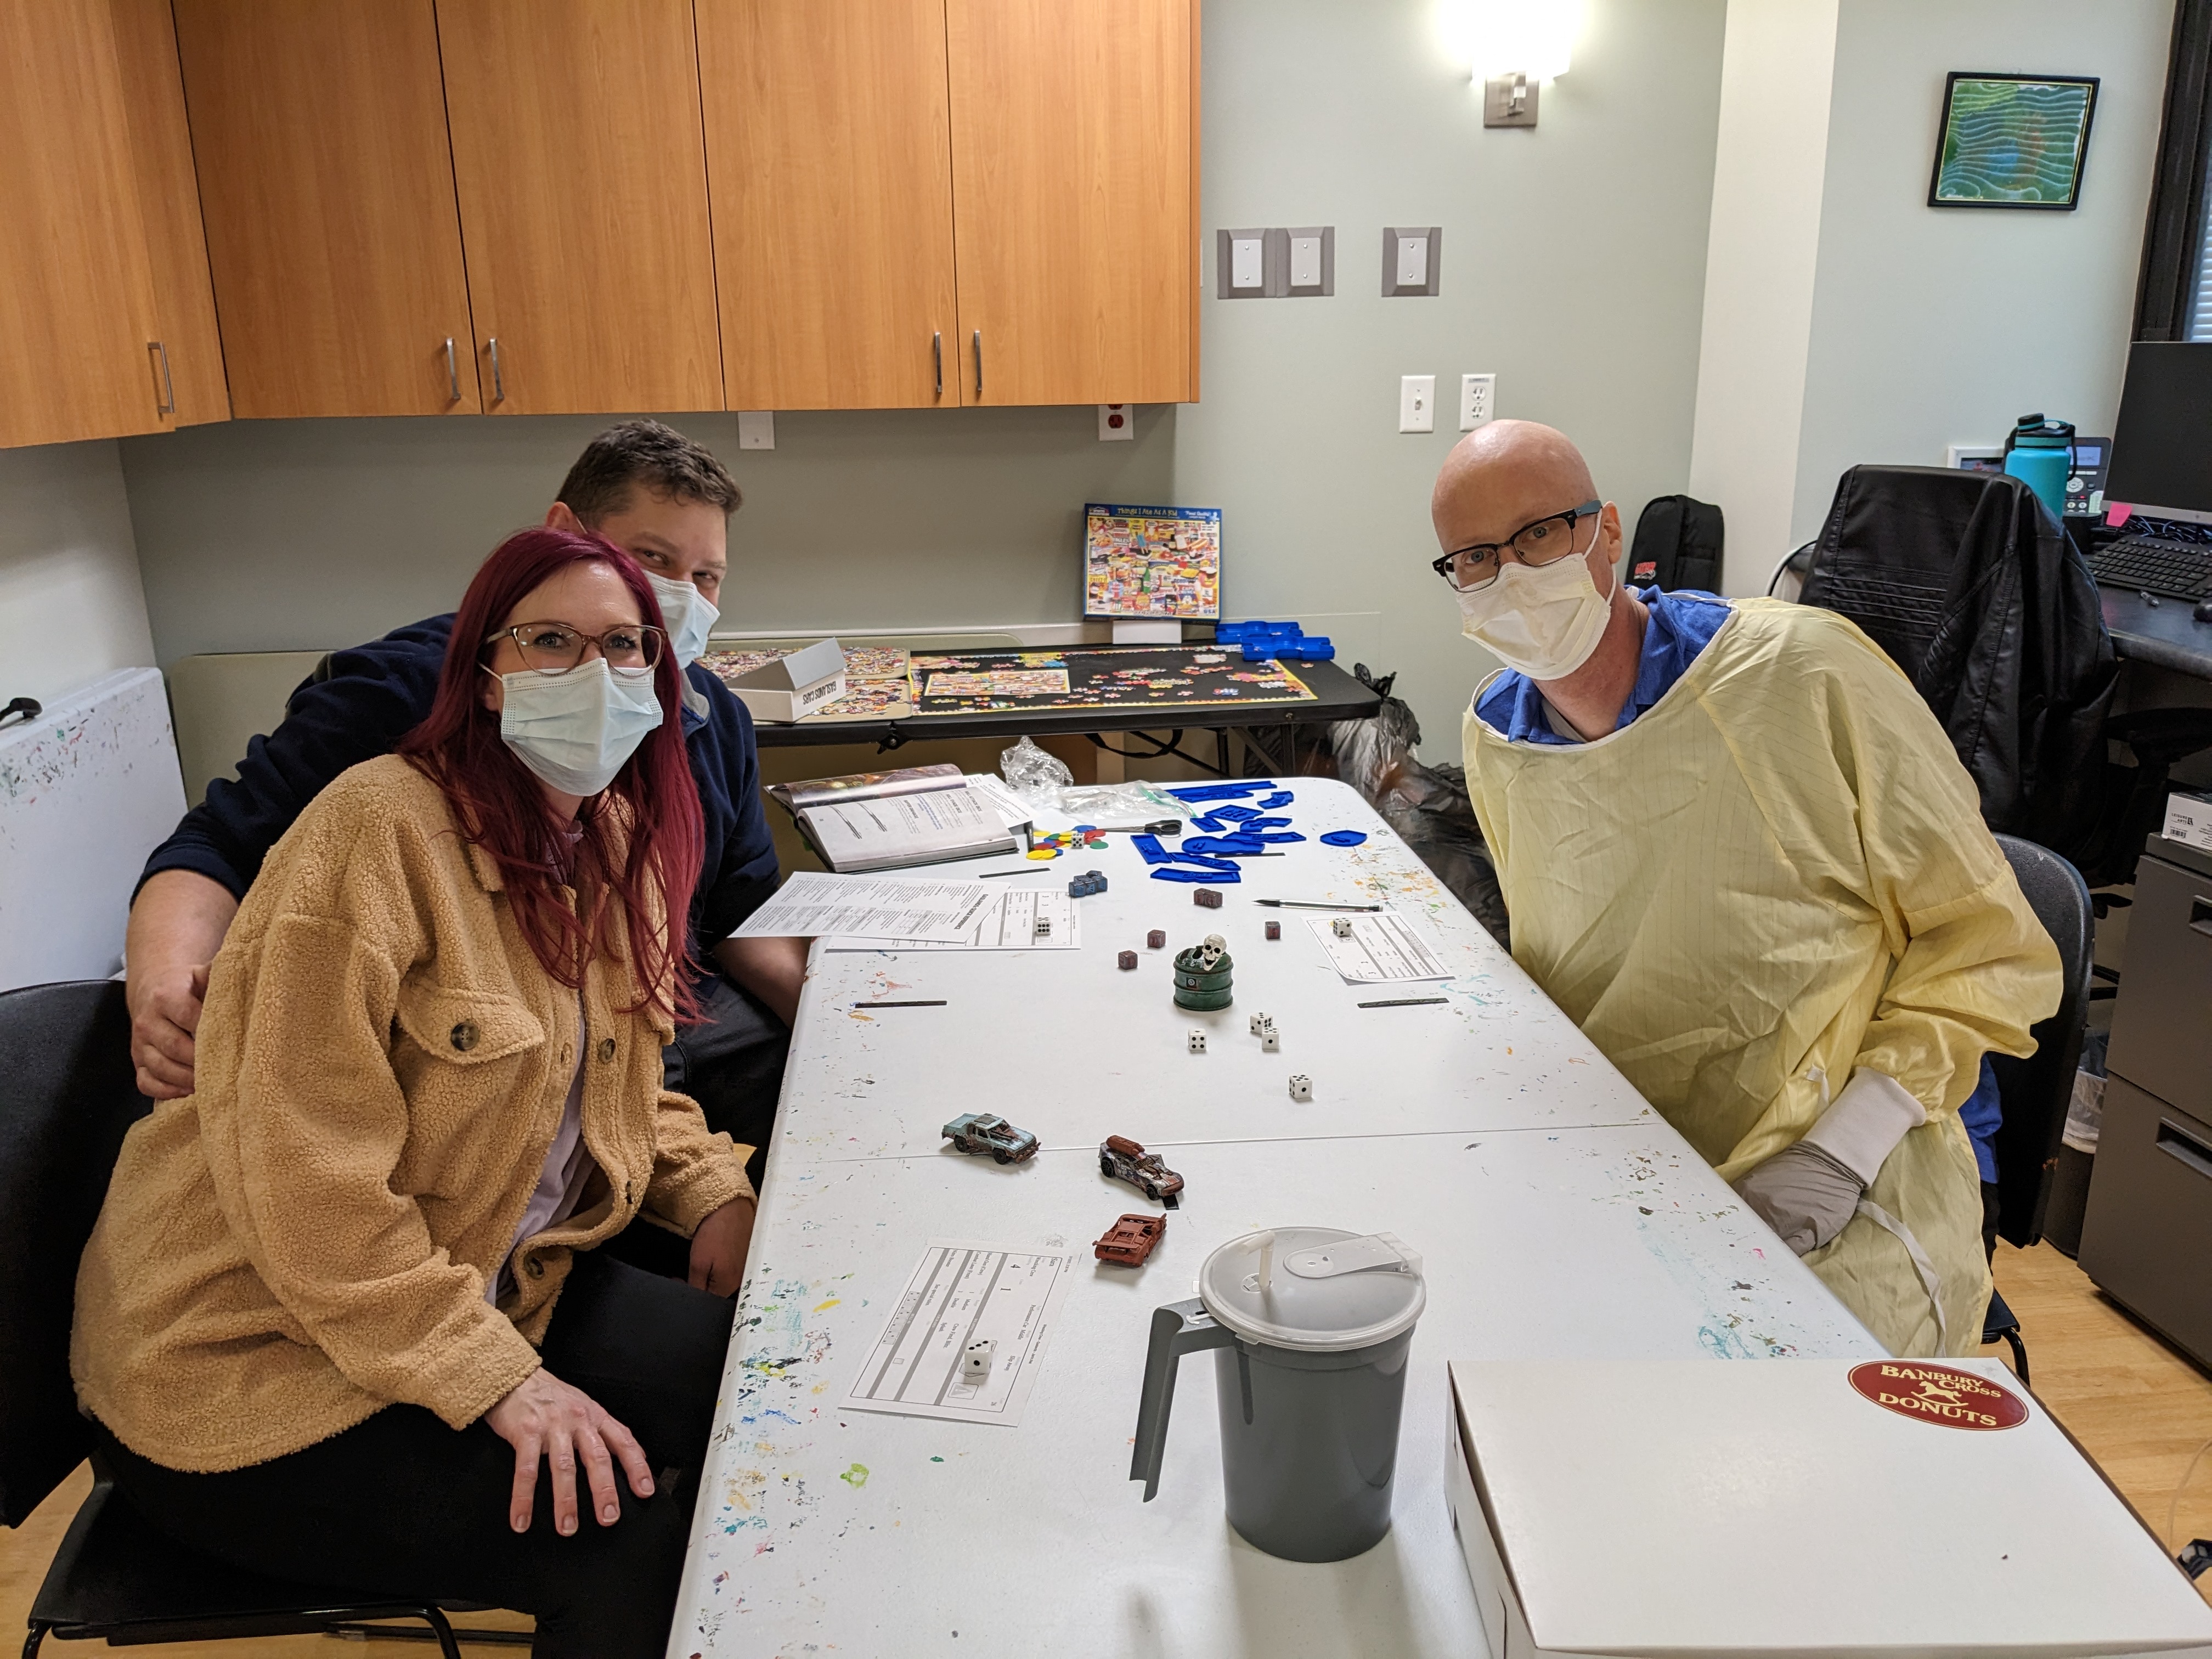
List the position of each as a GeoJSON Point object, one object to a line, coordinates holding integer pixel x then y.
{"type": "Point", "coordinates": [927, 1002]}
{"type": "Point", "coordinates": [1316, 904]}
{"type": "Point", "coordinates": [1398, 1002]}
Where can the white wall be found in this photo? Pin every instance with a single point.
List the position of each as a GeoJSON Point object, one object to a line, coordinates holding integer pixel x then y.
{"type": "Point", "coordinates": [1572, 267]}
{"type": "Point", "coordinates": [1933, 326]}
{"type": "Point", "coordinates": [1776, 72]}
{"type": "Point", "coordinates": [70, 606]}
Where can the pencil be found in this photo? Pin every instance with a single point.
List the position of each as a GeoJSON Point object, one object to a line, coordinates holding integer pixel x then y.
{"type": "Point", "coordinates": [926, 1002]}
{"type": "Point", "coordinates": [1388, 1002]}
{"type": "Point", "coordinates": [1316, 904]}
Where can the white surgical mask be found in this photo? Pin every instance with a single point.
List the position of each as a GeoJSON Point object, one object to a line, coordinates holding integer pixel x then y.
{"type": "Point", "coordinates": [1544, 620]}
{"type": "Point", "coordinates": [576, 729]}
{"type": "Point", "coordinates": [689, 614]}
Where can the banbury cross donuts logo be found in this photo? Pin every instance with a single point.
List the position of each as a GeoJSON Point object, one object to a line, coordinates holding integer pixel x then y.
{"type": "Point", "coordinates": [1938, 1393]}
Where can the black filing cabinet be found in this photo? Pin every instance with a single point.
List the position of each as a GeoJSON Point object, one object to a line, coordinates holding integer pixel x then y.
{"type": "Point", "coordinates": [2146, 1239]}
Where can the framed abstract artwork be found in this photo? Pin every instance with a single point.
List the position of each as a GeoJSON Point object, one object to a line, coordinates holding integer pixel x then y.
{"type": "Point", "coordinates": [2013, 140]}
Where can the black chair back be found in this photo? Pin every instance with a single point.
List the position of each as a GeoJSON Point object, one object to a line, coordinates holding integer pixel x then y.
{"type": "Point", "coordinates": [67, 1095]}
{"type": "Point", "coordinates": [2036, 1090]}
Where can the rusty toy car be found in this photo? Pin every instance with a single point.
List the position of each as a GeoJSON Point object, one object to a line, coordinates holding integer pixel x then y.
{"type": "Point", "coordinates": [1120, 1158]}
{"type": "Point", "coordinates": [1130, 1240]}
{"type": "Point", "coordinates": [982, 1132]}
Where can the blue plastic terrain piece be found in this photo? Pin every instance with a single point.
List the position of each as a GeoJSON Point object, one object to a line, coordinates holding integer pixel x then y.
{"type": "Point", "coordinates": [1280, 798]}
{"type": "Point", "coordinates": [1279, 835]}
{"type": "Point", "coordinates": [1235, 814]}
{"type": "Point", "coordinates": [1222, 878]}
{"type": "Point", "coordinates": [1345, 838]}
{"type": "Point", "coordinates": [1225, 845]}
{"type": "Point", "coordinates": [1255, 824]}
{"type": "Point", "coordinates": [1234, 791]}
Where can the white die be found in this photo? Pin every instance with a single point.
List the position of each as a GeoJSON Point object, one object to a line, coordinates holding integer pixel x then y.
{"type": "Point", "coordinates": [1341, 927]}
{"type": "Point", "coordinates": [976, 1359]}
{"type": "Point", "coordinates": [1260, 1023]}
{"type": "Point", "coordinates": [1301, 1087]}
{"type": "Point", "coordinates": [1270, 1043]}
{"type": "Point", "coordinates": [1198, 1042]}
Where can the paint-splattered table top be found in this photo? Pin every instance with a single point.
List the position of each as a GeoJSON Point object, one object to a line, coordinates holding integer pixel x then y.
{"type": "Point", "coordinates": [1559, 1216]}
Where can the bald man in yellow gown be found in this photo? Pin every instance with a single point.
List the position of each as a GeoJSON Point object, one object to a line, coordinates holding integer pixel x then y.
{"type": "Point", "coordinates": [1740, 853]}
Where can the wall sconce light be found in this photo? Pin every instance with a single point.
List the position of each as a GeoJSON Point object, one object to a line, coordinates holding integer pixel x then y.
{"type": "Point", "coordinates": [1514, 47]}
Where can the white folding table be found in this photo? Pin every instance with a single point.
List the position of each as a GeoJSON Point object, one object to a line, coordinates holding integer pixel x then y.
{"type": "Point", "coordinates": [1558, 1214]}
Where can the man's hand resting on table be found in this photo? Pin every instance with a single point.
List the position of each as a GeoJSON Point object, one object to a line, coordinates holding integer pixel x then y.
{"type": "Point", "coordinates": [719, 1248]}
{"type": "Point", "coordinates": [543, 1417]}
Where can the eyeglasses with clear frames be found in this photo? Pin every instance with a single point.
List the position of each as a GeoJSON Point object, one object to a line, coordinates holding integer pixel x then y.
{"type": "Point", "coordinates": [552, 647]}
{"type": "Point", "coordinates": [1541, 541]}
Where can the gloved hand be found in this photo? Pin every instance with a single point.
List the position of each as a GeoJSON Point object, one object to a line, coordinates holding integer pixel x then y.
{"type": "Point", "coordinates": [1808, 1193]}
{"type": "Point", "coordinates": [1804, 1194]}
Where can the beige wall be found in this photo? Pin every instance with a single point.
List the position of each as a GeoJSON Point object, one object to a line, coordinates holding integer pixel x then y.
{"type": "Point", "coordinates": [71, 608]}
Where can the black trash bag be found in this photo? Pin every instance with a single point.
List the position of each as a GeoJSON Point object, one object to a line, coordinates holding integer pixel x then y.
{"type": "Point", "coordinates": [1427, 806]}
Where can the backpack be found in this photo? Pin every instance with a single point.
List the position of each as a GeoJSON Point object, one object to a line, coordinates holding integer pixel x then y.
{"type": "Point", "coordinates": [1678, 544]}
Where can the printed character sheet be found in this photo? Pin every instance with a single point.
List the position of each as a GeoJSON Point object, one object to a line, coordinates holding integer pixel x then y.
{"type": "Point", "coordinates": [1009, 923]}
{"type": "Point", "coordinates": [962, 1292]}
{"type": "Point", "coordinates": [1382, 948]}
{"type": "Point", "coordinates": [813, 903]}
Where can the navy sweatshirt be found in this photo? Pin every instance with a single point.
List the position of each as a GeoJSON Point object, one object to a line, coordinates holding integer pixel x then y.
{"type": "Point", "coordinates": [374, 695]}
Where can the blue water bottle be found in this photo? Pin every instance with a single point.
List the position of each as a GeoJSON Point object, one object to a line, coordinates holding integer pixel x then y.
{"type": "Point", "coordinates": [2040, 454]}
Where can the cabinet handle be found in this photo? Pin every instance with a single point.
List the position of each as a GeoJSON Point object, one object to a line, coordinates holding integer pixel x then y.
{"type": "Point", "coordinates": [2200, 915]}
{"type": "Point", "coordinates": [979, 362]}
{"type": "Point", "coordinates": [168, 386]}
{"type": "Point", "coordinates": [937, 360]}
{"type": "Point", "coordinates": [452, 372]}
{"type": "Point", "coordinates": [2186, 1148]}
{"type": "Point", "coordinates": [498, 386]}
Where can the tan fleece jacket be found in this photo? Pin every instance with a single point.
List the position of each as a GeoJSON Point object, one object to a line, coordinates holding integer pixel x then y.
{"type": "Point", "coordinates": [382, 1066]}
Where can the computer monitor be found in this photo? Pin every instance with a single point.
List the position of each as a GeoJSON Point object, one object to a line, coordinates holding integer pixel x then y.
{"type": "Point", "coordinates": [2162, 446]}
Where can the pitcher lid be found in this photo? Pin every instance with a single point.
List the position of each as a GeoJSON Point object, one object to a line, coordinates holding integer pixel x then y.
{"type": "Point", "coordinates": [1320, 1288]}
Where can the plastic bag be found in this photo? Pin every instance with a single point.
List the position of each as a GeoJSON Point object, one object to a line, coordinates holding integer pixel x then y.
{"type": "Point", "coordinates": [1034, 775]}
{"type": "Point", "coordinates": [1120, 803]}
{"type": "Point", "coordinates": [2085, 1112]}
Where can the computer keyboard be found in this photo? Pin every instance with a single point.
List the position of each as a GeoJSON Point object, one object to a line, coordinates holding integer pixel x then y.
{"type": "Point", "coordinates": [2174, 569]}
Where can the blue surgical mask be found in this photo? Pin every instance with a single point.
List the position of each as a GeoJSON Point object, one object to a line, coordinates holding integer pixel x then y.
{"type": "Point", "coordinates": [575, 730]}
{"type": "Point", "coordinates": [689, 614]}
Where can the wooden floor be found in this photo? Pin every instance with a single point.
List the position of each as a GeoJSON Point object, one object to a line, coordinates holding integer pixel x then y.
{"type": "Point", "coordinates": [2139, 1407]}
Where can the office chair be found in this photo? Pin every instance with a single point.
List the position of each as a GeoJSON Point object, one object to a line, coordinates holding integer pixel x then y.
{"type": "Point", "coordinates": [65, 1052]}
{"type": "Point", "coordinates": [2035, 1092]}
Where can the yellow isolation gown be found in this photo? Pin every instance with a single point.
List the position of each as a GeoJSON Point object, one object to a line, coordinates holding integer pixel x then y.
{"type": "Point", "coordinates": [1777, 873]}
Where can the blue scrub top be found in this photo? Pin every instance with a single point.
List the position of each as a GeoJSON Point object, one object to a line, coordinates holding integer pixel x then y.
{"type": "Point", "coordinates": [1682, 625]}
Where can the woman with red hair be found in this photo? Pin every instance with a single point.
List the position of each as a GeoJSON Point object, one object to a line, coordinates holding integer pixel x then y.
{"type": "Point", "coordinates": [344, 1319]}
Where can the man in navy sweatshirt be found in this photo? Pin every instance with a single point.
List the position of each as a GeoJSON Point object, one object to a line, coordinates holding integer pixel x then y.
{"type": "Point", "coordinates": [666, 501]}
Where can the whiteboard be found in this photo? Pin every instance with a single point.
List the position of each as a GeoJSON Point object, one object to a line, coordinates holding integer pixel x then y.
{"type": "Point", "coordinates": [87, 790]}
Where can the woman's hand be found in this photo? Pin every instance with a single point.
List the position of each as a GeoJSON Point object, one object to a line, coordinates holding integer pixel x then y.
{"type": "Point", "coordinates": [543, 1416]}
{"type": "Point", "coordinates": [718, 1249]}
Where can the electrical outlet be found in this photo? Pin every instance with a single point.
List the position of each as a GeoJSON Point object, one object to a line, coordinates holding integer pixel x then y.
{"type": "Point", "coordinates": [1116, 421]}
{"type": "Point", "coordinates": [1416, 402]}
{"type": "Point", "coordinates": [756, 429]}
{"type": "Point", "coordinates": [1478, 401]}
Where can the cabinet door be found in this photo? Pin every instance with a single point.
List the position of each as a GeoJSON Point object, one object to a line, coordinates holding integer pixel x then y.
{"type": "Point", "coordinates": [582, 172]}
{"type": "Point", "coordinates": [830, 161]}
{"type": "Point", "coordinates": [1074, 146]}
{"type": "Point", "coordinates": [190, 359]}
{"type": "Point", "coordinates": [76, 298]}
{"type": "Point", "coordinates": [327, 188]}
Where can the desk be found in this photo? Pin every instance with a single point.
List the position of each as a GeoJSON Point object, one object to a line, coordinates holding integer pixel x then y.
{"type": "Point", "coordinates": [1337, 696]}
{"type": "Point", "coordinates": [2164, 635]}
{"type": "Point", "coordinates": [1559, 1215]}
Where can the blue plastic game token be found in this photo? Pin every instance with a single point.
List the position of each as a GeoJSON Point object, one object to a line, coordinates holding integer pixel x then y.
{"type": "Point", "coordinates": [1344, 837]}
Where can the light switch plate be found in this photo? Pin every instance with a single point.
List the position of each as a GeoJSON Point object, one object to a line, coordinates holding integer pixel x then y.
{"type": "Point", "coordinates": [1416, 402]}
{"type": "Point", "coordinates": [1508, 101]}
{"type": "Point", "coordinates": [1310, 260]}
{"type": "Point", "coordinates": [1249, 265]}
{"type": "Point", "coordinates": [1410, 255]}
{"type": "Point", "coordinates": [1116, 421]}
{"type": "Point", "coordinates": [756, 429]}
{"type": "Point", "coordinates": [1478, 401]}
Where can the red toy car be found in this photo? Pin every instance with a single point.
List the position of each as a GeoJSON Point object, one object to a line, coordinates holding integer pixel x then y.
{"type": "Point", "coordinates": [1130, 1240]}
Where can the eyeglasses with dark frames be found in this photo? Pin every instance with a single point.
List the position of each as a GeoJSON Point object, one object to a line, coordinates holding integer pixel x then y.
{"type": "Point", "coordinates": [1538, 543]}
{"type": "Point", "coordinates": [552, 647]}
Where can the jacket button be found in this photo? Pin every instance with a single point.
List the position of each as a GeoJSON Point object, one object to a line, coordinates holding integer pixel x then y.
{"type": "Point", "coordinates": [465, 1037]}
{"type": "Point", "coordinates": [606, 1050]}
{"type": "Point", "coordinates": [534, 1267]}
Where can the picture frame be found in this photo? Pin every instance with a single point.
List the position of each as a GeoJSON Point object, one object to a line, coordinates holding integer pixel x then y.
{"type": "Point", "coordinates": [2013, 140]}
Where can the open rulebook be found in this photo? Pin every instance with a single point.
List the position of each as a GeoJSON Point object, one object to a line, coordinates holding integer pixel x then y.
{"type": "Point", "coordinates": [882, 820]}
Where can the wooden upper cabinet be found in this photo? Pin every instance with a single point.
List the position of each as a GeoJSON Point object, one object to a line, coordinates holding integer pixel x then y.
{"type": "Point", "coordinates": [76, 297]}
{"type": "Point", "coordinates": [582, 169]}
{"type": "Point", "coordinates": [830, 162]}
{"type": "Point", "coordinates": [189, 358]}
{"type": "Point", "coordinates": [319, 133]}
{"type": "Point", "coordinates": [1074, 147]}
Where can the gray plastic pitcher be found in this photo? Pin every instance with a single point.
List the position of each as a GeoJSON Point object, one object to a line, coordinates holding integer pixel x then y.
{"type": "Point", "coordinates": [1311, 1328]}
